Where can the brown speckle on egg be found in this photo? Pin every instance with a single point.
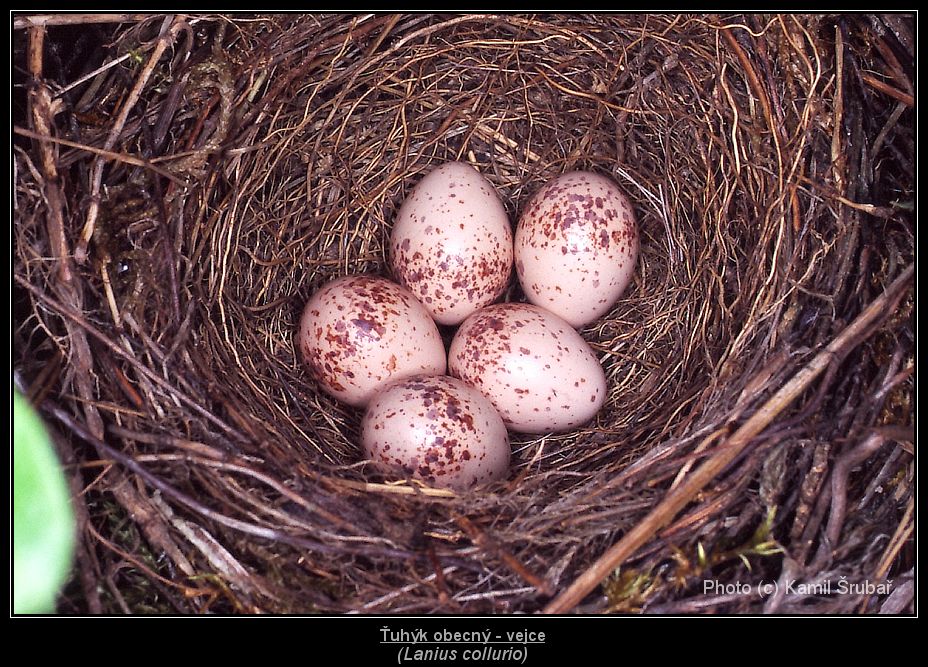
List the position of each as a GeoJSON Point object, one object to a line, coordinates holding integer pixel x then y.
{"type": "Point", "coordinates": [555, 368]}
{"type": "Point", "coordinates": [575, 227]}
{"type": "Point", "coordinates": [358, 332]}
{"type": "Point", "coordinates": [457, 440]}
{"type": "Point", "coordinates": [462, 261]}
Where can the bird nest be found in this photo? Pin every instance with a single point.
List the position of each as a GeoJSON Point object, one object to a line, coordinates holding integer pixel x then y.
{"type": "Point", "coordinates": [184, 183]}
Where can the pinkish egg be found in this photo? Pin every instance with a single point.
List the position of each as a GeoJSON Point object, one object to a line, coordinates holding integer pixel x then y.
{"type": "Point", "coordinates": [535, 368]}
{"type": "Point", "coordinates": [359, 332]}
{"type": "Point", "coordinates": [437, 429]}
{"type": "Point", "coordinates": [576, 245]}
{"type": "Point", "coordinates": [451, 243]}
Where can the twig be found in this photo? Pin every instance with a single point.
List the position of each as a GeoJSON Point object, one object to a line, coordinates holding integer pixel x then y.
{"type": "Point", "coordinates": [42, 112]}
{"type": "Point", "coordinates": [110, 155]}
{"type": "Point", "coordinates": [42, 20]}
{"type": "Point", "coordinates": [902, 534]}
{"type": "Point", "coordinates": [838, 157]}
{"type": "Point", "coordinates": [812, 502]}
{"type": "Point", "coordinates": [885, 88]}
{"type": "Point", "coordinates": [392, 20]}
{"type": "Point", "coordinates": [895, 67]}
{"type": "Point", "coordinates": [189, 446]}
{"type": "Point", "coordinates": [444, 594]}
{"type": "Point", "coordinates": [216, 554]}
{"type": "Point", "coordinates": [886, 129]}
{"type": "Point", "coordinates": [394, 489]}
{"type": "Point", "coordinates": [878, 211]}
{"type": "Point", "coordinates": [149, 520]}
{"type": "Point", "coordinates": [676, 500]}
{"type": "Point", "coordinates": [90, 75]}
{"type": "Point", "coordinates": [839, 475]}
{"type": "Point", "coordinates": [691, 460]}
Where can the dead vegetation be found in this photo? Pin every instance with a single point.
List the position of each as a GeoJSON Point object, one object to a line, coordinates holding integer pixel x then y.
{"type": "Point", "coordinates": [183, 184]}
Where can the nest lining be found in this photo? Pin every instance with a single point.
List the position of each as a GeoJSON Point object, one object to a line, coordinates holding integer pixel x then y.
{"type": "Point", "coordinates": [770, 170]}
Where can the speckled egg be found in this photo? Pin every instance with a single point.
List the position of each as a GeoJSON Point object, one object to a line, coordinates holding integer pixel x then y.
{"type": "Point", "coordinates": [451, 243]}
{"type": "Point", "coordinates": [576, 245]}
{"type": "Point", "coordinates": [534, 366]}
{"type": "Point", "coordinates": [359, 332]}
{"type": "Point", "coordinates": [437, 429]}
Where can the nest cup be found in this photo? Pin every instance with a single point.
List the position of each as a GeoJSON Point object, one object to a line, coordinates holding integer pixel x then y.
{"type": "Point", "coordinates": [770, 162]}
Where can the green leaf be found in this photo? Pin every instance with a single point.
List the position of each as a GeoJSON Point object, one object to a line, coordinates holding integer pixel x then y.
{"type": "Point", "coordinates": [43, 521]}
